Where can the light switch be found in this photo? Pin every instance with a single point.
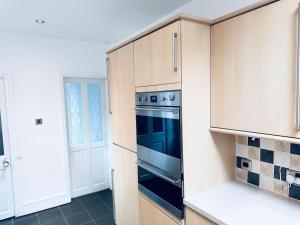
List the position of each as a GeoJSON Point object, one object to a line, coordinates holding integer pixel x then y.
{"type": "Point", "coordinates": [39, 121]}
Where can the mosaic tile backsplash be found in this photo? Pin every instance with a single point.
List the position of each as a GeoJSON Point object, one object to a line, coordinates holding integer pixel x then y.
{"type": "Point", "coordinates": [270, 161]}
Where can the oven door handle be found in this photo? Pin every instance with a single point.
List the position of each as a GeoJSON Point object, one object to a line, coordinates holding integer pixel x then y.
{"type": "Point", "coordinates": [157, 173]}
{"type": "Point", "coordinates": [175, 111]}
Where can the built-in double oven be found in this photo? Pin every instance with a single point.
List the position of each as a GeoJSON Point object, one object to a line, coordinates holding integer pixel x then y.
{"type": "Point", "coordinates": [159, 148]}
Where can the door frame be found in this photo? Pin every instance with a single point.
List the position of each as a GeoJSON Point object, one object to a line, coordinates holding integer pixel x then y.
{"type": "Point", "coordinates": [14, 156]}
{"type": "Point", "coordinates": [64, 119]}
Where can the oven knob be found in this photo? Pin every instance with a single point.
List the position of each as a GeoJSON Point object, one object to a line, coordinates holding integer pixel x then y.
{"type": "Point", "coordinates": [163, 99]}
{"type": "Point", "coordinates": [172, 97]}
{"type": "Point", "coordinates": [145, 98]}
{"type": "Point", "coordinates": [139, 99]}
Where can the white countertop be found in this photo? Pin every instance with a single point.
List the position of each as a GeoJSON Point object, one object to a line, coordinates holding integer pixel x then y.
{"type": "Point", "coordinates": [236, 203]}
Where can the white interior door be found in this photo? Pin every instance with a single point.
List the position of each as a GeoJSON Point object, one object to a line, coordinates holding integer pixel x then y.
{"type": "Point", "coordinates": [86, 117]}
{"type": "Point", "coordinates": [6, 191]}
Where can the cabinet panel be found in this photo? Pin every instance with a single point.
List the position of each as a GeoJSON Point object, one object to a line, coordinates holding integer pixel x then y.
{"type": "Point", "coordinates": [193, 218]}
{"type": "Point", "coordinates": [150, 215]}
{"type": "Point", "coordinates": [122, 97]}
{"type": "Point", "coordinates": [155, 55]}
{"type": "Point", "coordinates": [125, 186]}
{"type": "Point", "coordinates": [254, 71]}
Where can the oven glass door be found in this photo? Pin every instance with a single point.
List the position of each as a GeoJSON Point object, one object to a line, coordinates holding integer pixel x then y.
{"type": "Point", "coordinates": [159, 129]}
{"type": "Point", "coordinates": [161, 191]}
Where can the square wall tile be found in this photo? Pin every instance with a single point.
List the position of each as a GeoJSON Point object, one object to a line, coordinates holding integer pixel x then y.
{"type": "Point", "coordinates": [238, 162]}
{"type": "Point", "coordinates": [295, 149]}
{"type": "Point", "coordinates": [294, 192]}
{"type": "Point", "coordinates": [253, 153]}
{"type": "Point", "coordinates": [255, 142]}
{"type": "Point", "coordinates": [253, 178]}
{"type": "Point", "coordinates": [295, 162]}
{"type": "Point", "coordinates": [280, 173]}
{"type": "Point", "coordinates": [255, 166]}
{"type": "Point", "coordinates": [242, 150]}
{"type": "Point", "coordinates": [267, 156]}
{"type": "Point", "coordinates": [242, 140]}
{"type": "Point", "coordinates": [267, 169]}
{"type": "Point", "coordinates": [282, 159]}
{"type": "Point", "coordinates": [241, 174]}
{"type": "Point", "coordinates": [281, 188]}
{"type": "Point", "coordinates": [266, 183]}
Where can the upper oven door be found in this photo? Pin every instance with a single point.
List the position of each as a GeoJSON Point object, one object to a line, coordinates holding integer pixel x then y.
{"type": "Point", "coordinates": [159, 137]}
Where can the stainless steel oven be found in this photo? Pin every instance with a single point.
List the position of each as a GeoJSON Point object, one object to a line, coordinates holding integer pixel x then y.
{"type": "Point", "coordinates": [159, 148]}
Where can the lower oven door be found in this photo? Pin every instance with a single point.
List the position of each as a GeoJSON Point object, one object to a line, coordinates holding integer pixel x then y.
{"type": "Point", "coordinates": [163, 189]}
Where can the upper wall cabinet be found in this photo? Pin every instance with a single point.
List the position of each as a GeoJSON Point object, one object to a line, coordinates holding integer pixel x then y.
{"type": "Point", "coordinates": [254, 71]}
{"type": "Point", "coordinates": [122, 97]}
{"type": "Point", "coordinates": [157, 57]}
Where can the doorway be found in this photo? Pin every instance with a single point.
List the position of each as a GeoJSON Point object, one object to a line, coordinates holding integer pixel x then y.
{"type": "Point", "coordinates": [87, 135]}
{"type": "Point", "coordinates": [6, 188]}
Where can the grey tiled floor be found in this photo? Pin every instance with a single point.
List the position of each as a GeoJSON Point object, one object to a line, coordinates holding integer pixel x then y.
{"type": "Point", "coordinates": [92, 209]}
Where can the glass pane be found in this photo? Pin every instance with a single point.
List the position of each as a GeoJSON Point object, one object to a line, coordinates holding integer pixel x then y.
{"type": "Point", "coordinates": [1, 138]}
{"type": "Point", "coordinates": [74, 108]}
{"type": "Point", "coordinates": [95, 112]}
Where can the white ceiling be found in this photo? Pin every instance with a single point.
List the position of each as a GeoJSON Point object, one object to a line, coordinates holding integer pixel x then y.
{"type": "Point", "coordinates": [106, 21]}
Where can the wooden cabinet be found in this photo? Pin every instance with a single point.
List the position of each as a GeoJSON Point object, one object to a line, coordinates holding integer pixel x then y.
{"type": "Point", "coordinates": [157, 57]}
{"type": "Point", "coordinates": [151, 215]}
{"type": "Point", "coordinates": [254, 58]}
{"type": "Point", "coordinates": [193, 218]}
{"type": "Point", "coordinates": [122, 97]}
{"type": "Point", "coordinates": [125, 186]}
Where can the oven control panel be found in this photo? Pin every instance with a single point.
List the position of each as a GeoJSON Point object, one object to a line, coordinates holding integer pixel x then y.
{"type": "Point", "coordinates": [165, 98]}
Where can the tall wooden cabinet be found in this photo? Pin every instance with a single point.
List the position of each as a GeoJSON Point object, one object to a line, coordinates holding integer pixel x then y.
{"type": "Point", "coordinates": [254, 62]}
{"type": "Point", "coordinates": [124, 157]}
{"type": "Point", "coordinates": [157, 57]}
{"type": "Point", "coordinates": [122, 97]}
{"type": "Point", "coordinates": [125, 186]}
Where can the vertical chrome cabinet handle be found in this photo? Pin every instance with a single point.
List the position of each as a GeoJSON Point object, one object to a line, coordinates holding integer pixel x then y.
{"type": "Point", "coordinates": [298, 75]}
{"type": "Point", "coordinates": [108, 85]}
{"type": "Point", "coordinates": [113, 193]}
{"type": "Point", "coordinates": [174, 49]}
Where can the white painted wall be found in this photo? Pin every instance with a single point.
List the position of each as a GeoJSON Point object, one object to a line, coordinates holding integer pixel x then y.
{"type": "Point", "coordinates": [34, 65]}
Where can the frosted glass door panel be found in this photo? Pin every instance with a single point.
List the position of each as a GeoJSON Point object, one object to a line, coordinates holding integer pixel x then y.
{"type": "Point", "coordinates": [95, 112]}
{"type": "Point", "coordinates": [85, 107]}
{"type": "Point", "coordinates": [74, 110]}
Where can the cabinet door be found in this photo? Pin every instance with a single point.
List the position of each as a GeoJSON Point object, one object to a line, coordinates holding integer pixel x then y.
{"type": "Point", "coordinates": [150, 215]}
{"type": "Point", "coordinates": [253, 81]}
{"type": "Point", "coordinates": [125, 187]}
{"type": "Point", "coordinates": [157, 57]}
{"type": "Point", "coordinates": [193, 218]}
{"type": "Point", "coordinates": [122, 97]}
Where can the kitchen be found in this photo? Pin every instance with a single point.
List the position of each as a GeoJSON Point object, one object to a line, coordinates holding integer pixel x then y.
{"type": "Point", "coordinates": [195, 121]}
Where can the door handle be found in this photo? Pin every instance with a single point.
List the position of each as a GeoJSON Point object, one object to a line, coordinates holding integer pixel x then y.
{"type": "Point", "coordinates": [108, 86]}
{"type": "Point", "coordinates": [174, 54]}
{"type": "Point", "coordinates": [5, 164]}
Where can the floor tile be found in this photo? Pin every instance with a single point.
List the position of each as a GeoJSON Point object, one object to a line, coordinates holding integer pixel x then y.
{"type": "Point", "coordinates": [6, 222]}
{"type": "Point", "coordinates": [49, 215]}
{"type": "Point", "coordinates": [71, 208]}
{"type": "Point", "coordinates": [109, 220]}
{"type": "Point", "coordinates": [25, 217]}
{"type": "Point", "coordinates": [100, 212]}
{"type": "Point", "coordinates": [58, 222]}
{"type": "Point", "coordinates": [88, 197]}
{"type": "Point", "coordinates": [27, 220]}
{"type": "Point", "coordinates": [89, 223]}
{"type": "Point", "coordinates": [92, 203]}
{"type": "Point", "coordinates": [78, 219]}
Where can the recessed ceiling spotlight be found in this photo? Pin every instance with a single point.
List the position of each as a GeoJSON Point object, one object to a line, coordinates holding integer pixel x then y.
{"type": "Point", "coordinates": [40, 21]}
